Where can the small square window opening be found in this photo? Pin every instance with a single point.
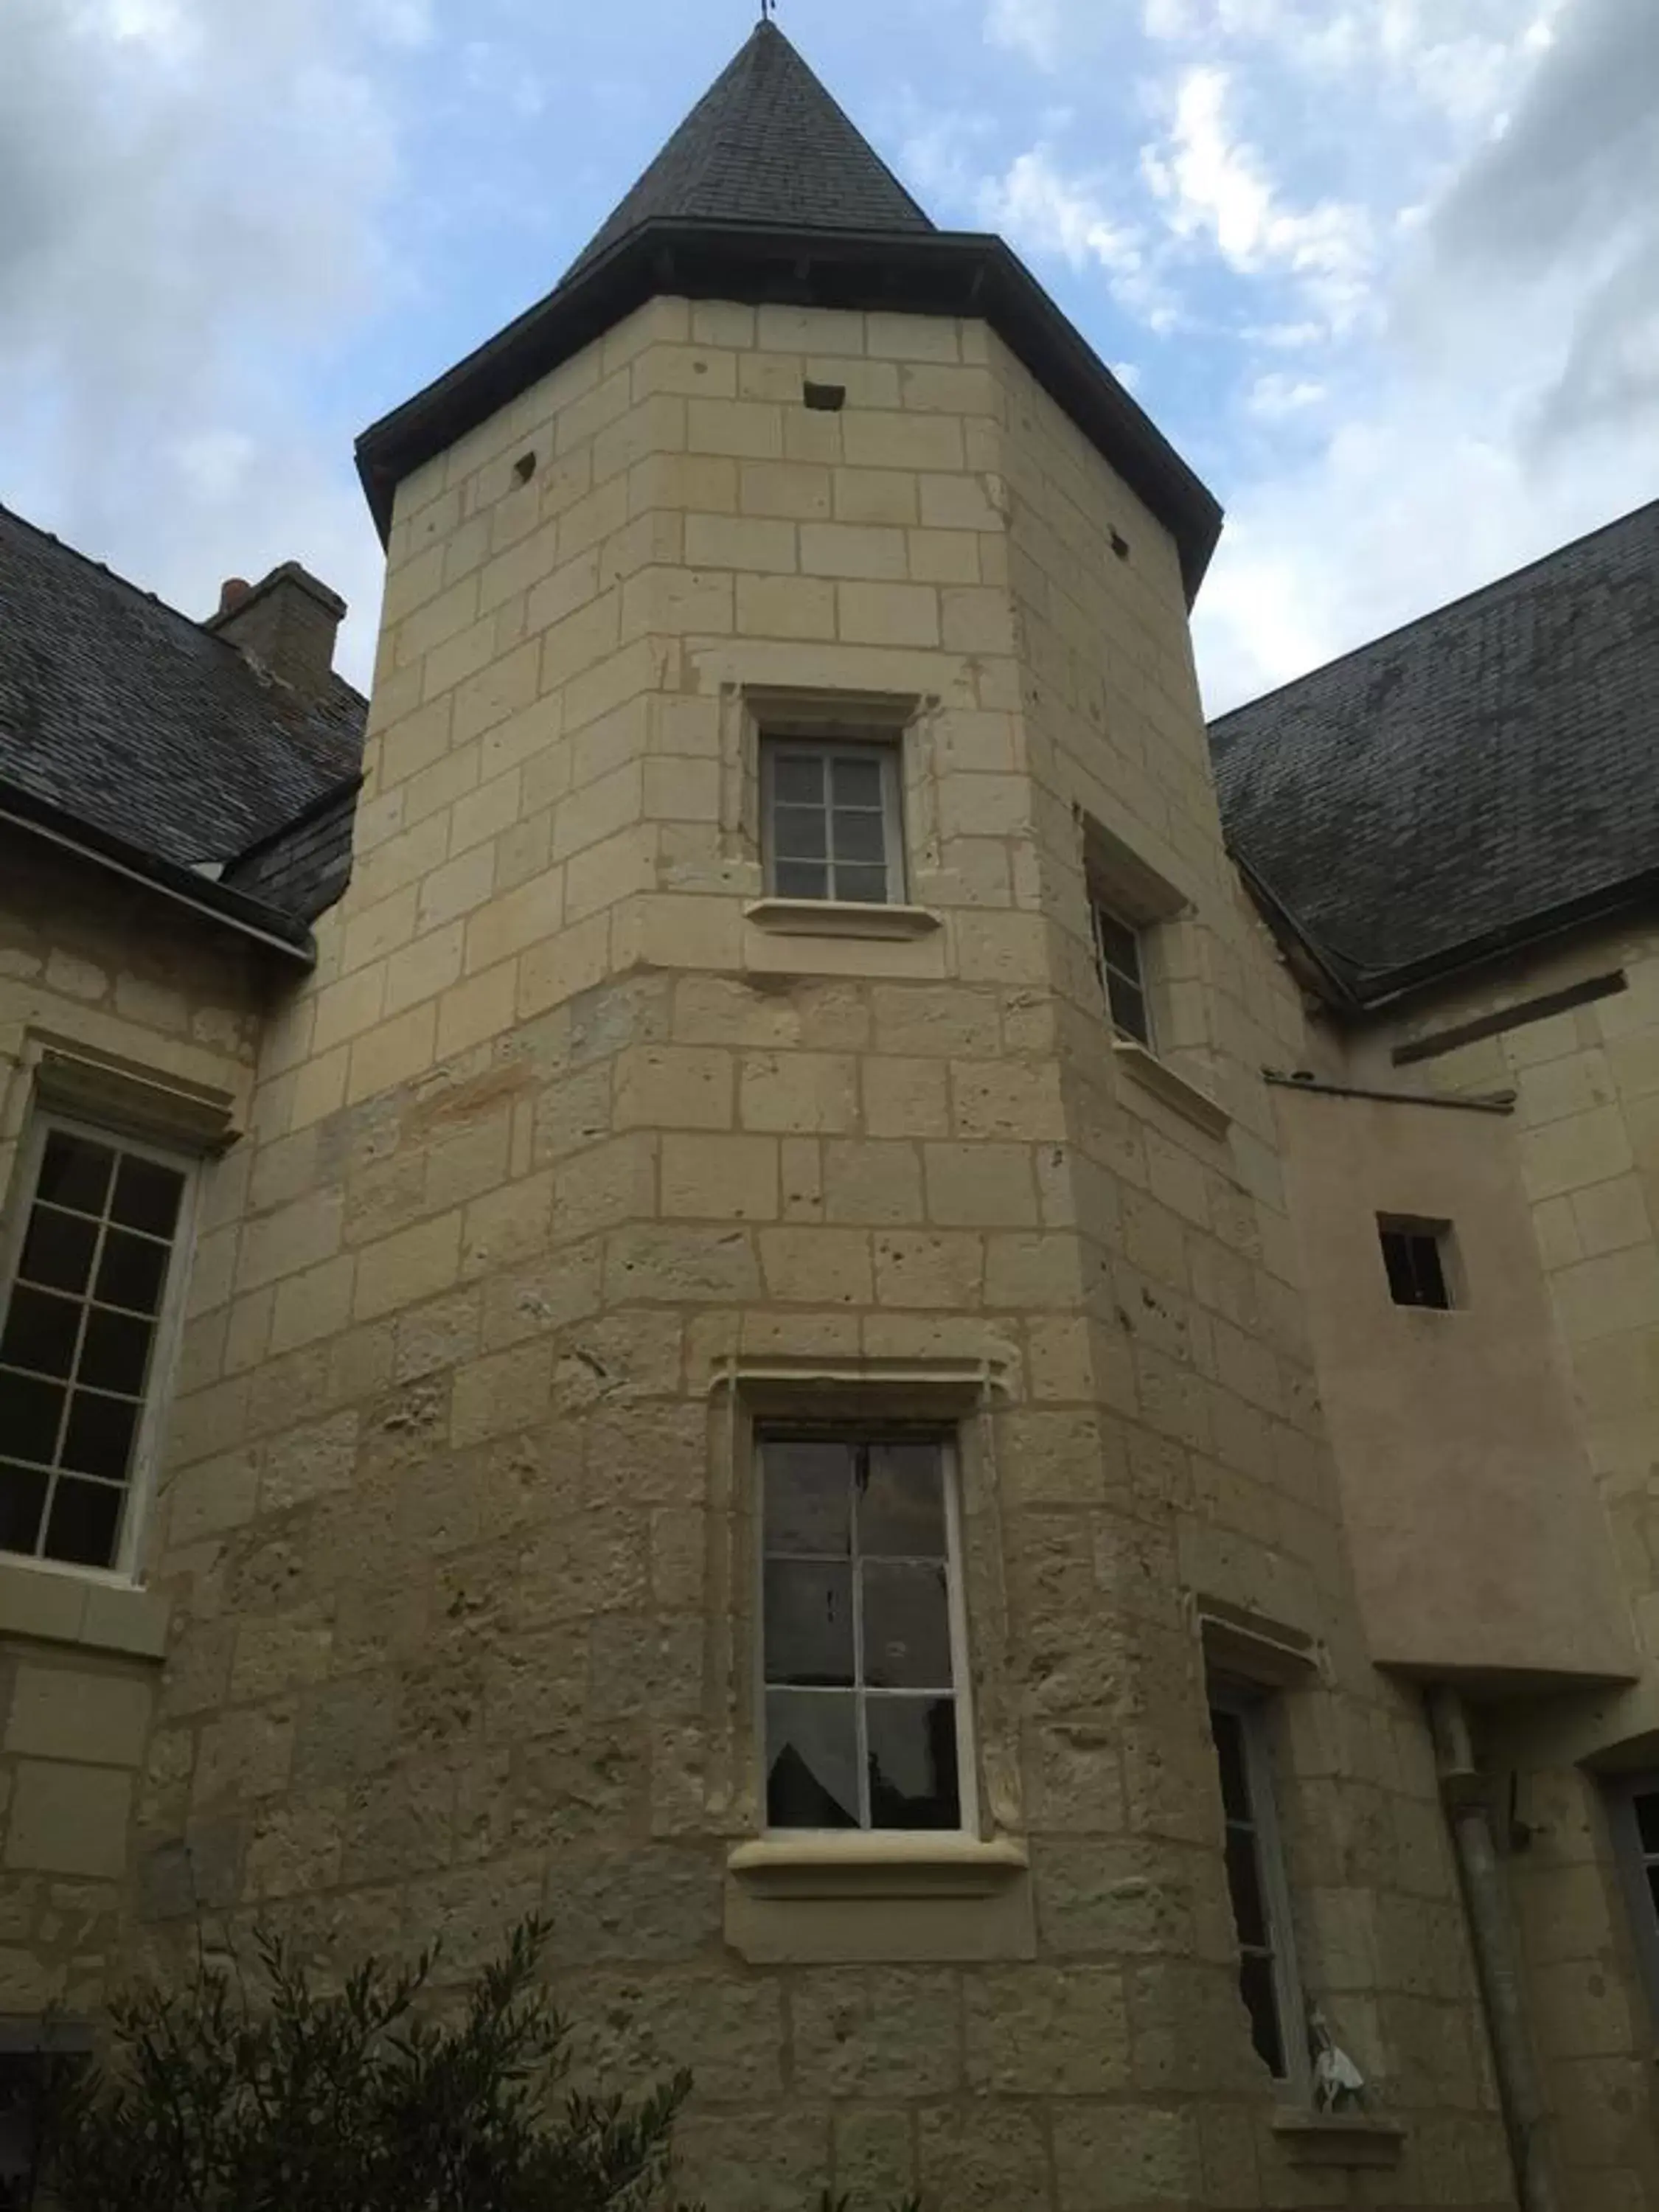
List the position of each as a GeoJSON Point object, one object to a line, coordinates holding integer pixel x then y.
{"type": "Point", "coordinates": [862, 1633]}
{"type": "Point", "coordinates": [1268, 1980]}
{"type": "Point", "coordinates": [88, 1286]}
{"type": "Point", "coordinates": [1416, 1256]}
{"type": "Point", "coordinates": [1118, 947]}
{"type": "Point", "coordinates": [832, 821]}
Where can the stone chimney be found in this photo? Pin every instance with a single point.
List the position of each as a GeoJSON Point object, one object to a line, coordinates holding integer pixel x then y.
{"type": "Point", "coordinates": [286, 623]}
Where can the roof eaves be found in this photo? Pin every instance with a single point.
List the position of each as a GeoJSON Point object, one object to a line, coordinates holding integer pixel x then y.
{"type": "Point", "coordinates": [938, 272]}
{"type": "Point", "coordinates": [213, 902]}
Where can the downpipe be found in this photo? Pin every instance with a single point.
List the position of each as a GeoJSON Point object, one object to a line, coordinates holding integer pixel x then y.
{"type": "Point", "coordinates": [1497, 1953]}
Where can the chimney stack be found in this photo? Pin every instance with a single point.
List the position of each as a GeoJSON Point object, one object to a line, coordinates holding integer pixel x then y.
{"type": "Point", "coordinates": [286, 623]}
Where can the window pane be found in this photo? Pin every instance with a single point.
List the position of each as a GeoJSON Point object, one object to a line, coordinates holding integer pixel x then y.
{"type": "Point", "coordinates": [1256, 1986]}
{"type": "Point", "coordinates": [74, 1172]}
{"type": "Point", "coordinates": [85, 1516]}
{"type": "Point", "coordinates": [1653, 1889]}
{"type": "Point", "coordinates": [58, 1250]}
{"type": "Point", "coordinates": [800, 833]}
{"type": "Point", "coordinates": [907, 1628]}
{"type": "Point", "coordinates": [147, 1196]}
{"type": "Point", "coordinates": [99, 1438]}
{"type": "Point", "coordinates": [809, 1623]}
{"type": "Point", "coordinates": [131, 1271]}
{"type": "Point", "coordinates": [40, 1332]}
{"type": "Point", "coordinates": [1120, 947]}
{"type": "Point", "coordinates": [1431, 1277]}
{"type": "Point", "coordinates": [800, 879]}
{"type": "Point", "coordinates": [808, 1496]}
{"type": "Point", "coordinates": [798, 779]}
{"type": "Point", "coordinates": [1397, 1259]}
{"type": "Point", "coordinates": [912, 1763]}
{"type": "Point", "coordinates": [901, 1502]}
{"type": "Point", "coordinates": [1228, 1729]}
{"type": "Point", "coordinates": [23, 1500]}
{"type": "Point", "coordinates": [1647, 1819]}
{"type": "Point", "coordinates": [1129, 1007]}
{"type": "Point", "coordinates": [856, 781]}
{"type": "Point", "coordinates": [860, 837]}
{"type": "Point", "coordinates": [116, 1352]}
{"type": "Point", "coordinates": [868, 886]}
{"type": "Point", "coordinates": [30, 1412]}
{"type": "Point", "coordinates": [1244, 1885]}
{"type": "Point", "coordinates": [811, 1762]}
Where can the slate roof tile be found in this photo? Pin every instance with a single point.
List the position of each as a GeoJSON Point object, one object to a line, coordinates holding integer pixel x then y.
{"type": "Point", "coordinates": [132, 718]}
{"type": "Point", "coordinates": [1485, 767]}
{"type": "Point", "coordinates": [765, 144]}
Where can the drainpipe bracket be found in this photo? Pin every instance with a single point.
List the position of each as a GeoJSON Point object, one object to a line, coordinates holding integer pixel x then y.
{"type": "Point", "coordinates": [1467, 1789]}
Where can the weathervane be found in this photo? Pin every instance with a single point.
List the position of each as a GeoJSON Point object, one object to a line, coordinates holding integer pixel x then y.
{"type": "Point", "coordinates": [768, 9]}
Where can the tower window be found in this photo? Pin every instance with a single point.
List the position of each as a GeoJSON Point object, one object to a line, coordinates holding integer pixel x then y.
{"type": "Point", "coordinates": [832, 820]}
{"type": "Point", "coordinates": [1416, 1255]}
{"type": "Point", "coordinates": [862, 1632]}
{"type": "Point", "coordinates": [1267, 1978]}
{"type": "Point", "coordinates": [1118, 948]}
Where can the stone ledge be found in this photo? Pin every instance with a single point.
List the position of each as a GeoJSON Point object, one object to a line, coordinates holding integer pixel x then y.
{"type": "Point", "coordinates": [1338, 2138]}
{"type": "Point", "coordinates": [1174, 1089]}
{"type": "Point", "coordinates": [787, 917]}
{"type": "Point", "coordinates": [872, 1865]}
{"type": "Point", "coordinates": [59, 1605]}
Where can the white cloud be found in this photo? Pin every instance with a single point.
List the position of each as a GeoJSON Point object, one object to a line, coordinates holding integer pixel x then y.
{"type": "Point", "coordinates": [1215, 186]}
{"type": "Point", "coordinates": [1032, 27]}
{"type": "Point", "coordinates": [1274, 396]}
{"type": "Point", "coordinates": [193, 195]}
{"type": "Point", "coordinates": [1034, 201]}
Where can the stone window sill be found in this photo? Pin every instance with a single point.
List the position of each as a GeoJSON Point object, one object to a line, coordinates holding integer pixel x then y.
{"type": "Point", "coordinates": [1174, 1089]}
{"type": "Point", "coordinates": [1338, 2138]}
{"type": "Point", "coordinates": [67, 1604]}
{"type": "Point", "coordinates": [875, 1865]}
{"type": "Point", "coordinates": [787, 917]}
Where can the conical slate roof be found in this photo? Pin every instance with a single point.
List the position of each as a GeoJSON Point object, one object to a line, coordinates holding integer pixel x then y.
{"type": "Point", "coordinates": [767, 193]}
{"type": "Point", "coordinates": [765, 144]}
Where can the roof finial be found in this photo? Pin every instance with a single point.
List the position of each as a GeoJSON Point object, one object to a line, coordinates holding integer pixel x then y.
{"type": "Point", "coordinates": [768, 9]}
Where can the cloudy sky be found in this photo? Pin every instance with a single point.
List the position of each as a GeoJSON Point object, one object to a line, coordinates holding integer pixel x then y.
{"type": "Point", "coordinates": [1386, 271]}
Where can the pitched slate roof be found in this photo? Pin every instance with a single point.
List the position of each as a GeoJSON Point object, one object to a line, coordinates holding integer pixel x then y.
{"type": "Point", "coordinates": [126, 714]}
{"type": "Point", "coordinates": [1486, 772]}
{"type": "Point", "coordinates": [765, 144]}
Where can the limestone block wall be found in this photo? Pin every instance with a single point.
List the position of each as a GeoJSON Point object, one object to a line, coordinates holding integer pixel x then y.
{"type": "Point", "coordinates": [576, 1157]}
{"type": "Point", "coordinates": [1586, 1085]}
{"type": "Point", "coordinates": [105, 976]}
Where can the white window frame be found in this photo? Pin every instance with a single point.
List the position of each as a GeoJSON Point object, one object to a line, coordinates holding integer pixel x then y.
{"type": "Point", "coordinates": [887, 750]}
{"type": "Point", "coordinates": [1634, 1860]}
{"type": "Point", "coordinates": [1101, 909]}
{"type": "Point", "coordinates": [1252, 1706]}
{"type": "Point", "coordinates": [855, 1430]}
{"type": "Point", "coordinates": [139, 1487]}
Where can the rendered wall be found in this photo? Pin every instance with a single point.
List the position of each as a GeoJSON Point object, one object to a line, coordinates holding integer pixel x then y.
{"type": "Point", "coordinates": [1587, 1144]}
{"type": "Point", "coordinates": [1479, 1548]}
{"type": "Point", "coordinates": [566, 1163]}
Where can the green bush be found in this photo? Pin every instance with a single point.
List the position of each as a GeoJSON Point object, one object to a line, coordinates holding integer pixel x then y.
{"type": "Point", "coordinates": [360, 2100]}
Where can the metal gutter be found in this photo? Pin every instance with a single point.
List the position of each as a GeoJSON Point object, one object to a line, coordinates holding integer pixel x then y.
{"type": "Point", "coordinates": [165, 879]}
{"type": "Point", "coordinates": [920, 272]}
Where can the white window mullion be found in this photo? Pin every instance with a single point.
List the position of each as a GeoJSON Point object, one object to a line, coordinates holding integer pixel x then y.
{"type": "Point", "coordinates": [858, 1460]}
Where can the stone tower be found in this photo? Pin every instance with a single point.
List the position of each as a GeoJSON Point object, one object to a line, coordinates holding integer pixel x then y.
{"type": "Point", "coordinates": [757, 1374]}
